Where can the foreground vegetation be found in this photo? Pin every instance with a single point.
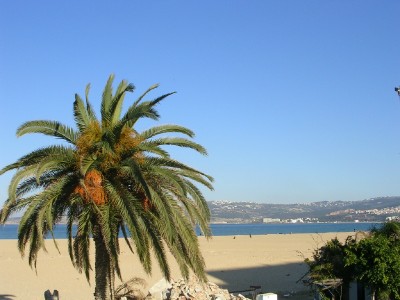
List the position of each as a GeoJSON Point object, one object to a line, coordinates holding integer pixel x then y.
{"type": "Point", "coordinates": [373, 260]}
{"type": "Point", "coordinates": [109, 178]}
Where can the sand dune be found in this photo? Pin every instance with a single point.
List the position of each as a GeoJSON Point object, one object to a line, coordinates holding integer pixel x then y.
{"type": "Point", "coordinates": [274, 262]}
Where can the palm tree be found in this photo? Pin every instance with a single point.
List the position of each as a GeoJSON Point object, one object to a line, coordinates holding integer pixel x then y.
{"type": "Point", "coordinates": [107, 178]}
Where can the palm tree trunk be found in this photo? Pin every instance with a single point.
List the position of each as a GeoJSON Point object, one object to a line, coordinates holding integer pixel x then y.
{"type": "Point", "coordinates": [103, 270]}
{"type": "Point", "coordinates": [112, 281]}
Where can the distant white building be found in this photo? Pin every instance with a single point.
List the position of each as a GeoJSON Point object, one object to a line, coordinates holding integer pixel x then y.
{"type": "Point", "coordinates": [299, 220]}
{"type": "Point", "coordinates": [271, 220]}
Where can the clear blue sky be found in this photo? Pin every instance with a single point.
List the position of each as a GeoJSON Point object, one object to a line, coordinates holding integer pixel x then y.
{"type": "Point", "coordinates": [294, 100]}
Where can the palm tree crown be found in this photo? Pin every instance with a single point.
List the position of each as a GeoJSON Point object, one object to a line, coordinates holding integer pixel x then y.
{"type": "Point", "coordinates": [109, 178]}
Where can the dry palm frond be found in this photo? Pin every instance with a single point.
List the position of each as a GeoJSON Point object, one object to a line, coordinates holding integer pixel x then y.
{"type": "Point", "coordinates": [131, 289]}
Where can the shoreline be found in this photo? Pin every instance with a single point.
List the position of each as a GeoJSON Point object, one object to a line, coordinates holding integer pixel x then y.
{"type": "Point", "coordinates": [273, 261]}
{"type": "Point", "coordinates": [10, 231]}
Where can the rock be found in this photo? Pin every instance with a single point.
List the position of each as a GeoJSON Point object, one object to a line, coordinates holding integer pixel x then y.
{"type": "Point", "coordinates": [159, 290]}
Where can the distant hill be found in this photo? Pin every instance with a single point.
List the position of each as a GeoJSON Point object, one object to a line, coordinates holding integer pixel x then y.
{"type": "Point", "coordinates": [369, 210]}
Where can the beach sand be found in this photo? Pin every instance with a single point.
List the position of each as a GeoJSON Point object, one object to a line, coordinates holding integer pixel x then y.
{"type": "Point", "coordinates": [274, 261]}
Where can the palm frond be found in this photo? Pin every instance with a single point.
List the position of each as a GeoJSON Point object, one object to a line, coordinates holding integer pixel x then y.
{"type": "Point", "coordinates": [89, 107]}
{"type": "Point", "coordinates": [156, 241]}
{"type": "Point", "coordinates": [17, 178]}
{"type": "Point", "coordinates": [151, 112]}
{"type": "Point", "coordinates": [52, 163]}
{"type": "Point", "coordinates": [106, 102]}
{"type": "Point", "coordinates": [179, 142]}
{"type": "Point", "coordinates": [154, 86]}
{"type": "Point", "coordinates": [81, 114]}
{"type": "Point", "coordinates": [157, 130]}
{"type": "Point", "coordinates": [150, 148]}
{"type": "Point", "coordinates": [133, 114]}
{"type": "Point", "coordinates": [12, 207]}
{"type": "Point", "coordinates": [87, 163]}
{"type": "Point", "coordinates": [116, 104]}
{"type": "Point", "coordinates": [171, 163]}
{"type": "Point", "coordinates": [132, 212]}
{"type": "Point", "coordinates": [51, 128]}
{"type": "Point", "coordinates": [132, 169]}
{"type": "Point", "coordinates": [183, 243]}
{"type": "Point", "coordinates": [199, 178]}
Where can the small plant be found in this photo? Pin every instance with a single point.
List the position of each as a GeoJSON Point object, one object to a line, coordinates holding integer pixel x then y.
{"type": "Point", "coordinates": [371, 259]}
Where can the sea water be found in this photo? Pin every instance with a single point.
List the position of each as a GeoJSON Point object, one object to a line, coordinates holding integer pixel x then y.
{"type": "Point", "coordinates": [10, 231]}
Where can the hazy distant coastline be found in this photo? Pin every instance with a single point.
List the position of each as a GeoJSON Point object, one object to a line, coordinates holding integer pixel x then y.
{"type": "Point", "coordinates": [377, 209]}
{"type": "Point", "coordinates": [370, 210]}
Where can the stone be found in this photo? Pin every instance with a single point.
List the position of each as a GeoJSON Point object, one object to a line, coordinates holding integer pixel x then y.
{"type": "Point", "coordinates": [158, 291]}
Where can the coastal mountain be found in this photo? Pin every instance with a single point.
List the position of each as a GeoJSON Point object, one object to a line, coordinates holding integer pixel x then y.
{"type": "Point", "coordinates": [368, 210]}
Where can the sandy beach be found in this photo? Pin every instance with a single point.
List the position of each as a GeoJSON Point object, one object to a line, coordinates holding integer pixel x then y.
{"type": "Point", "coordinates": [273, 261]}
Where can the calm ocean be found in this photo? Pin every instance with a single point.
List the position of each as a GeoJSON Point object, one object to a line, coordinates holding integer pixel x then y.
{"type": "Point", "coordinates": [10, 231]}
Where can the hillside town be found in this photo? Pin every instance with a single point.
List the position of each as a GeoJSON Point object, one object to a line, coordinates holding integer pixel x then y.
{"type": "Point", "coordinates": [369, 210]}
